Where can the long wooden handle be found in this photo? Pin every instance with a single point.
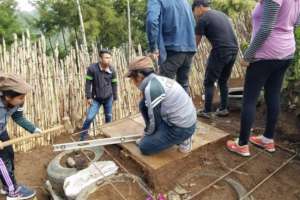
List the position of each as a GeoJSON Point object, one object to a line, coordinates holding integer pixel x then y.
{"type": "Point", "coordinates": [28, 137]}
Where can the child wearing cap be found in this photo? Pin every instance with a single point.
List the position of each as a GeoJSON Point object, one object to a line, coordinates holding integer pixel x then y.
{"type": "Point", "coordinates": [12, 96]}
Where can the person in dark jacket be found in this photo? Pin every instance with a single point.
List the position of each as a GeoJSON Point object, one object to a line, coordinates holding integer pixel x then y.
{"type": "Point", "coordinates": [13, 90]}
{"type": "Point", "coordinates": [100, 89]}
{"type": "Point", "coordinates": [170, 31]}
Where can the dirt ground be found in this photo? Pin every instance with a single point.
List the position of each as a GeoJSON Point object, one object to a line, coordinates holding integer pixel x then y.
{"type": "Point", "coordinates": [204, 167]}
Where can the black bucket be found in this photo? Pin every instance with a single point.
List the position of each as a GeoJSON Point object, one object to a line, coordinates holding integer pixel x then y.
{"type": "Point", "coordinates": [235, 98]}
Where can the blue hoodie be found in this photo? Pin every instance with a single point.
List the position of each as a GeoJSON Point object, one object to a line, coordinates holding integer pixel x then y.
{"type": "Point", "coordinates": [170, 26]}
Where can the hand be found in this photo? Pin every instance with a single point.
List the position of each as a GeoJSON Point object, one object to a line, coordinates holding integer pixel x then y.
{"type": "Point", "coordinates": [1, 145]}
{"type": "Point", "coordinates": [37, 130]}
{"type": "Point", "coordinates": [244, 63]}
{"type": "Point", "coordinates": [89, 102]}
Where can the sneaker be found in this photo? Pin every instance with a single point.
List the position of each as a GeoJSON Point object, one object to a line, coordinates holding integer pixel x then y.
{"type": "Point", "coordinates": [258, 141]}
{"type": "Point", "coordinates": [21, 193]}
{"type": "Point", "coordinates": [203, 114]}
{"type": "Point", "coordinates": [222, 113]}
{"type": "Point", "coordinates": [233, 146]}
{"type": "Point", "coordinates": [186, 145]}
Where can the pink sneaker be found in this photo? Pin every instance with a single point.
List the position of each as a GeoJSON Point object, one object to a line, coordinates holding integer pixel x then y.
{"type": "Point", "coordinates": [232, 145]}
{"type": "Point", "coordinates": [257, 140]}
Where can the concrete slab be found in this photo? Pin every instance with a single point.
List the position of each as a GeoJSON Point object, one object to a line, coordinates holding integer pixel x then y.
{"type": "Point", "coordinates": [205, 134]}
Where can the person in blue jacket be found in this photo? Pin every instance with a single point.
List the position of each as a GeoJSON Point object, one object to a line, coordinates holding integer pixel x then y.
{"type": "Point", "coordinates": [170, 29]}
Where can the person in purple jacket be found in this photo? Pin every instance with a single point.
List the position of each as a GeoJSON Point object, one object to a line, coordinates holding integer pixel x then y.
{"type": "Point", "coordinates": [269, 55]}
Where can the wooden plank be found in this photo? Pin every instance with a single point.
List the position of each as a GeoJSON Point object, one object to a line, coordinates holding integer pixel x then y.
{"type": "Point", "coordinates": [205, 134]}
{"type": "Point", "coordinates": [139, 119]}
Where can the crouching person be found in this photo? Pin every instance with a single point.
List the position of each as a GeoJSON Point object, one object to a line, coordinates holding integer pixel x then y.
{"type": "Point", "coordinates": [168, 111]}
{"type": "Point", "coordinates": [12, 96]}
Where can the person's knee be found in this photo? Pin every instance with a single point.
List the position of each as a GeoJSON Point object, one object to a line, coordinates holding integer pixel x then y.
{"type": "Point", "coordinates": [145, 147]}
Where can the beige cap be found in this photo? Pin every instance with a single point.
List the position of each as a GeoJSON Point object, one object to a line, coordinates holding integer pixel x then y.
{"type": "Point", "coordinates": [13, 82]}
{"type": "Point", "coordinates": [140, 62]}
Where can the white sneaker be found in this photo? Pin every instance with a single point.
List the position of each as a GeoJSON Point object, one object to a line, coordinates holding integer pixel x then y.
{"type": "Point", "coordinates": [186, 146]}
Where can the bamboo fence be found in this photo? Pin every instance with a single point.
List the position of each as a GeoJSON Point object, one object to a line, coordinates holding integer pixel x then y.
{"type": "Point", "coordinates": [59, 84]}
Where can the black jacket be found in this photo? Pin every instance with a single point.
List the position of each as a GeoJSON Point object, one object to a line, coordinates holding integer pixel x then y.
{"type": "Point", "coordinates": [100, 84]}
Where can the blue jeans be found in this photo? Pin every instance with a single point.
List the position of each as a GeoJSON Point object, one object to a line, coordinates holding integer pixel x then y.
{"type": "Point", "coordinates": [93, 111]}
{"type": "Point", "coordinates": [164, 137]}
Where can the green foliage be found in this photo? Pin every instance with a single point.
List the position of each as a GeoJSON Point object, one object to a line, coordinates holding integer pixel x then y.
{"type": "Point", "coordinates": [8, 20]}
{"type": "Point", "coordinates": [138, 17]}
{"type": "Point", "coordinates": [295, 69]}
{"type": "Point", "coordinates": [234, 7]}
{"type": "Point", "coordinates": [56, 15]}
{"type": "Point", "coordinates": [105, 21]}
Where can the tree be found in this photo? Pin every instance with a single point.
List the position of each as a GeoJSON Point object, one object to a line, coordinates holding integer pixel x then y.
{"type": "Point", "coordinates": [8, 20]}
{"type": "Point", "coordinates": [105, 21]}
{"type": "Point", "coordinates": [233, 8]}
{"type": "Point", "coordinates": [138, 18]}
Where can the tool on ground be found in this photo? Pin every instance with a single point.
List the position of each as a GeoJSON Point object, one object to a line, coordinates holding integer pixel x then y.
{"type": "Point", "coordinates": [96, 142]}
{"type": "Point", "coordinates": [67, 126]}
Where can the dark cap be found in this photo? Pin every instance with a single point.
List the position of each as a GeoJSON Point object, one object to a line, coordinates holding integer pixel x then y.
{"type": "Point", "coordinates": [140, 62]}
{"type": "Point", "coordinates": [12, 82]}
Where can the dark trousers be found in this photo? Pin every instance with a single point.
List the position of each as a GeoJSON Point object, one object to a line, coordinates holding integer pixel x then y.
{"type": "Point", "coordinates": [7, 165]}
{"type": "Point", "coordinates": [219, 67]}
{"type": "Point", "coordinates": [178, 65]}
{"type": "Point", "coordinates": [267, 74]}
